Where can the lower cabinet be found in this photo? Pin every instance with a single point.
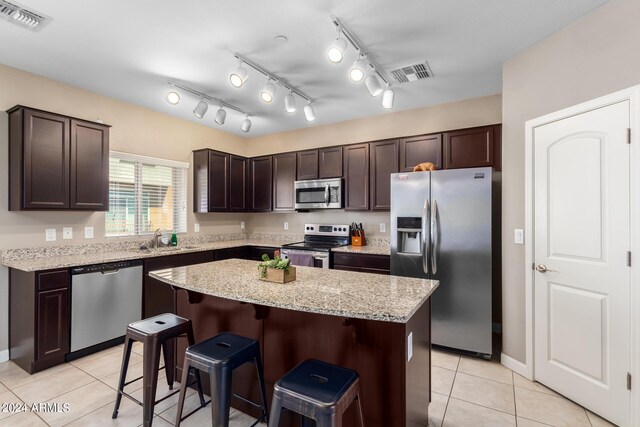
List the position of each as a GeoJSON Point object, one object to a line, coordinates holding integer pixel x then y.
{"type": "Point", "coordinates": [256, 252]}
{"type": "Point", "coordinates": [364, 263]}
{"type": "Point", "coordinates": [241, 252]}
{"type": "Point", "coordinates": [39, 321]}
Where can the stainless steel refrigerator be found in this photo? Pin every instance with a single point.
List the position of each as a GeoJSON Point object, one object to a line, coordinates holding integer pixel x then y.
{"type": "Point", "coordinates": [443, 227]}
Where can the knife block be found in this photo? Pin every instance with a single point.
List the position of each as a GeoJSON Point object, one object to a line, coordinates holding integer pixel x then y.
{"type": "Point", "coordinates": [358, 240]}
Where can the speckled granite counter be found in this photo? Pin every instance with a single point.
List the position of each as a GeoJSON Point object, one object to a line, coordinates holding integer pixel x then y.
{"type": "Point", "coordinates": [368, 249]}
{"type": "Point", "coordinates": [331, 292]}
{"type": "Point", "coordinates": [64, 261]}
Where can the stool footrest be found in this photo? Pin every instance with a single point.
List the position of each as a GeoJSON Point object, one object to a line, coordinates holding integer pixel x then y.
{"type": "Point", "coordinates": [245, 400]}
{"type": "Point", "coordinates": [139, 378]}
{"type": "Point", "coordinates": [195, 410]}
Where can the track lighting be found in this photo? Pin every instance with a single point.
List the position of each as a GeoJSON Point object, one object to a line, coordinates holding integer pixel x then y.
{"type": "Point", "coordinates": [373, 84]}
{"type": "Point", "coordinates": [239, 76]}
{"type": "Point", "coordinates": [246, 124]}
{"type": "Point", "coordinates": [356, 73]}
{"type": "Point", "coordinates": [335, 53]}
{"type": "Point", "coordinates": [201, 109]}
{"type": "Point", "coordinates": [172, 97]}
{"type": "Point", "coordinates": [221, 115]}
{"type": "Point", "coordinates": [268, 92]}
{"type": "Point", "coordinates": [387, 98]}
{"type": "Point", "coordinates": [290, 103]}
{"type": "Point", "coordinates": [309, 114]}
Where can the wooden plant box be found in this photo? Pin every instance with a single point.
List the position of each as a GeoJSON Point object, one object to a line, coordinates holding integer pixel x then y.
{"type": "Point", "coordinates": [280, 276]}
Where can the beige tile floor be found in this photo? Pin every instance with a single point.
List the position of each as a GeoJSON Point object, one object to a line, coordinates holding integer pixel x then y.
{"type": "Point", "coordinates": [466, 392]}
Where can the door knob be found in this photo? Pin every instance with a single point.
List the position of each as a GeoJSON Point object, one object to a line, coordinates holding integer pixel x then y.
{"type": "Point", "coordinates": [541, 268]}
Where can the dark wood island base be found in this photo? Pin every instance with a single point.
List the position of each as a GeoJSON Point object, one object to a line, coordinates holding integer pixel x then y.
{"type": "Point", "coordinates": [395, 384]}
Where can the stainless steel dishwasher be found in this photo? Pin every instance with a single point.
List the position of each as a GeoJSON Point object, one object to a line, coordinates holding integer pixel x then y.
{"type": "Point", "coordinates": [105, 298]}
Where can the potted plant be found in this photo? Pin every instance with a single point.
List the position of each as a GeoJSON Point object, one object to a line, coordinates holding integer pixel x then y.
{"type": "Point", "coordinates": [276, 270]}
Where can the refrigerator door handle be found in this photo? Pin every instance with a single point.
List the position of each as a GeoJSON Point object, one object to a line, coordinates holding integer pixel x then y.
{"type": "Point", "coordinates": [435, 237]}
{"type": "Point", "coordinates": [425, 239]}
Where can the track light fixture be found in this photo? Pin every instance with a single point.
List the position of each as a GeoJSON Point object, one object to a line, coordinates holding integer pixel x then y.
{"type": "Point", "coordinates": [364, 66]}
{"type": "Point", "coordinates": [309, 114]}
{"type": "Point", "coordinates": [172, 97]}
{"type": "Point", "coordinates": [290, 103]}
{"type": "Point", "coordinates": [202, 107]}
{"type": "Point", "coordinates": [335, 53]}
{"type": "Point", "coordinates": [239, 76]}
{"type": "Point", "coordinates": [268, 92]}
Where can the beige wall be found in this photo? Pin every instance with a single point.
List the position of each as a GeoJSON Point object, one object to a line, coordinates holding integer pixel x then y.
{"type": "Point", "coordinates": [594, 56]}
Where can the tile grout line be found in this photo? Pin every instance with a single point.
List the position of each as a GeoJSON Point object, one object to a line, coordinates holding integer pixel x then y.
{"type": "Point", "coordinates": [515, 402]}
{"type": "Point", "coordinates": [455, 373]}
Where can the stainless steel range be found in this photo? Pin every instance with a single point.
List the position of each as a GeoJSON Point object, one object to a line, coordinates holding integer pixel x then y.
{"type": "Point", "coordinates": [319, 239]}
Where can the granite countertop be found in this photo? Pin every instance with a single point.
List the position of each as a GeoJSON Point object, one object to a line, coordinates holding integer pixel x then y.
{"type": "Point", "coordinates": [368, 249]}
{"type": "Point", "coordinates": [80, 259]}
{"type": "Point", "coordinates": [316, 290]}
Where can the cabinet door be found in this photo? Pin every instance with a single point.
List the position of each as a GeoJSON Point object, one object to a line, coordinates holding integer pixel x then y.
{"type": "Point", "coordinates": [330, 162]}
{"type": "Point", "coordinates": [241, 252]}
{"type": "Point", "coordinates": [89, 167]}
{"type": "Point", "coordinates": [218, 181]}
{"type": "Point", "coordinates": [46, 161]}
{"type": "Point", "coordinates": [307, 163]}
{"type": "Point", "coordinates": [356, 173]}
{"type": "Point", "coordinates": [284, 175]}
{"type": "Point", "coordinates": [201, 181]}
{"type": "Point", "coordinates": [469, 148]}
{"type": "Point", "coordinates": [420, 149]}
{"type": "Point", "coordinates": [384, 162]}
{"type": "Point", "coordinates": [260, 183]}
{"type": "Point", "coordinates": [238, 183]}
{"type": "Point", "coordinates": [53, 324]}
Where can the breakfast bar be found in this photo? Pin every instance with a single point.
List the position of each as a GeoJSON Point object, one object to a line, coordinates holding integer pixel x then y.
{"type": "Point", "coordinates": [377, 325]}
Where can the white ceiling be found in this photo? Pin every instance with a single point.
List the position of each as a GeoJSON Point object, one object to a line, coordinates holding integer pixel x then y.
{"type": "Point", "coordinates": [130, 49]}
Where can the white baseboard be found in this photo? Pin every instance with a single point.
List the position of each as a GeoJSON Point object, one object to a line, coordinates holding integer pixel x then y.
{"type": "Point", "coordinates": [515, 365]}
{"type": "Point", "coordinates": [4, 355]}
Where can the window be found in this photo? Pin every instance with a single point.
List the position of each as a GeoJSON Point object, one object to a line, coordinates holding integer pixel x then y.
{"type": "Point", "coordinates": [145, 194]}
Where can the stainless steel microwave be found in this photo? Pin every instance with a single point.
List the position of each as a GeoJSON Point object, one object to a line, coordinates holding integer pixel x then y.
{"type": "Point", "coordinates": [319, 194]}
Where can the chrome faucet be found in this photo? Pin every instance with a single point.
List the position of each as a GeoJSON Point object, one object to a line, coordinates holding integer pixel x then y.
{"type": "Point", "coordinates": [155, 241]}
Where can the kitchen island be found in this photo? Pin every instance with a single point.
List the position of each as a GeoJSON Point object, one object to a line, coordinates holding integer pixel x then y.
{"type": "Point", "coordinates": [376, 325]}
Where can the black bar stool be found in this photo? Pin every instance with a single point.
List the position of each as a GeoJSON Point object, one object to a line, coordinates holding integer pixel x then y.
{"type": "Point", "coordinates": [154, 333]}
{"type": "Point", "coordinates": [219, 356]}
{"type": "Point", "coordinates": [319, 391]}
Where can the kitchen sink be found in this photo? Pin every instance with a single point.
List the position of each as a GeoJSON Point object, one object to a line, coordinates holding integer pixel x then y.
{"type": "Point", "coordinates": [166, 249]}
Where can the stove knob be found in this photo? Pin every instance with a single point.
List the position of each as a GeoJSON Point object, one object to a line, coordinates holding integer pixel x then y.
{"type": "Point", "coordinates": [335, 229]}
{"type": "Point", "coordinates": [307, 228]}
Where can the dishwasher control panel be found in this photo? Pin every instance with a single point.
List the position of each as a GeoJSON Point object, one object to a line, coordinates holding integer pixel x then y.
{"type": "Point", "coordinates": [105, 267]}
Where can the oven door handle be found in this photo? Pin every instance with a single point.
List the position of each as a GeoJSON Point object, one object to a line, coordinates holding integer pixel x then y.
{"type": "Point", "coordinates": [326, 194]}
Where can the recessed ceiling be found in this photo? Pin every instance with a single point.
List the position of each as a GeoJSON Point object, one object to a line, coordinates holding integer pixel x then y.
{"type": "Point", "coordinates": [129, 50]}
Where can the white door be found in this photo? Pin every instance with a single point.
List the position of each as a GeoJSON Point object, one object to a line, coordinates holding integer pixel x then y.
{"type": "Point", "coordinates": [581, 229]}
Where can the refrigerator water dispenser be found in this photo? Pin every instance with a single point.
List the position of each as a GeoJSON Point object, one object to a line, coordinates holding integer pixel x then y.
{"type": "Point", "coordinates": [409, 235]}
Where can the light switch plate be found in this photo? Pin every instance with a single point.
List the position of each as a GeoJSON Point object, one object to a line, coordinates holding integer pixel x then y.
{"type": "Point", "coordinates": [383, 227]}
{"type": "Point", "coordinates": [196, 228]}
{"type": "Point", "coordinates": [286, 225]}
{"type": "Point", "coordinates": [409, 347]}
{"type": "Point", "coordinates": [88, 232]}
{"type": "Point", "coordinates": [241, 225]}
{"type": "Point", "coordinates": [518, 236]}
{"type": "Point", "coordinates": [50, 234]}
{"type": "Point", "coordinates": [67, 233]}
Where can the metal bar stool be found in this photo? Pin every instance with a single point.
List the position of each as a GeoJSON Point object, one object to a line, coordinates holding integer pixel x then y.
{"type": "Point", "coordinates": [154, 333]}
{"type": "Point", "coordinates": [219, 356]}
{"type": "Point", "coordinates": [319, 391]}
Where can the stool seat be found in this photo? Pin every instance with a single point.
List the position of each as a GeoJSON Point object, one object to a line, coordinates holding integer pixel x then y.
{"type": "Point", "coordinates": [223, 349]}
{"type": "Point", "coordinates": [158, 325]}
{"type": "Point", "coordinates": [319, 381]}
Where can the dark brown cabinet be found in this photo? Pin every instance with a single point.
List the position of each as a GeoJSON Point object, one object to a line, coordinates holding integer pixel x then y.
{"type": "Point", "coordinates": [260, 184]}
{"type": "Point", "coordinates": [383, 162]}
{"type": "Point", "coordinates": [210, 181]}
{"type": "Point", "coordinates": [364, 263]}
{"type": "Point", "coordinates": [474, 147]}
{"type": "Point", "coordinates": [238, 172]}
{"type": "Point", "coordinates": [284, 176]}
{"type": "Point", "coordinates": [241, 252]}
{"type": "Point", "coordinates": [39, 321]}
{"type": "Point", "coordinates": [356, 174]}
{"type": "Point", "coordinates": [256, 252]}
{"type": "Point", "coordinates": [307, 164]}
{"type": "Point", "coordinates": [57, 162]}
{"type": "Point", "coordinates": [330, 162]}
{"type": "Point", "coordinates": [420, 149]}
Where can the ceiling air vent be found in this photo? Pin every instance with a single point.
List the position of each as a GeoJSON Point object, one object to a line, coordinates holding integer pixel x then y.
{"type": "Point", "coordinates": [20, 15]}
{"type": "Point", "coordinates": [412, 73]}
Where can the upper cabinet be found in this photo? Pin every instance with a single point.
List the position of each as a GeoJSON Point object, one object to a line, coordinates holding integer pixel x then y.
{"type": "Point", "coordinates": [238, 174]}
{"type": "Point", "coordinates": [383, 162]}
{"type": "Point", "coordinates": [474, 147]}
{"type": "Point", "coordinates": [356, 174]}
{"type": "Point", "coordinates": [420, 149]}
{"type": "Point", "coordinates": [307, 164]}
{"type": "Point", "coordinates": [330, 162]}
{"type": "Point", "coordinates": [219, 181]}
{"type": "Point", "coordinates": [260, 183]}
{"type": "Point", "coordinates": [284, 176]}
{"type": "Point", "coordinates": [57, 162]}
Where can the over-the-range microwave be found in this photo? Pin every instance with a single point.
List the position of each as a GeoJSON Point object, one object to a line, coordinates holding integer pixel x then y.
{"type": "Point", "coordinates": [319, 194]}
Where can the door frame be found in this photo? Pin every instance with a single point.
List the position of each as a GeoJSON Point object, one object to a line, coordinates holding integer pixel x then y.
{"type": "Point", "coordinates": [633, 96]}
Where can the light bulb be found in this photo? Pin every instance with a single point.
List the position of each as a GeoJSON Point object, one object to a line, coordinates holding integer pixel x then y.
{"type": "Point", "coordinates": [335, 53]}
{"type": "Point", "coordinates": [268, 92]}
{"type": "Point", "coordinates": [239, 76]}
{"type": "Point", "coordinates": [172, 97]}
{"type": "Point", "coordinates": [290, 103]}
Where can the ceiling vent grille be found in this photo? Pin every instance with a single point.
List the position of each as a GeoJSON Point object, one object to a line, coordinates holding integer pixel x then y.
{"type": "Point", "coordinates": [20, 15]}
{"type": "Point", "coordinates": [412, 73]}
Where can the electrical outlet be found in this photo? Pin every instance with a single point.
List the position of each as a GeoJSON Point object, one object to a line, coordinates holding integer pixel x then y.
{"type": "Point", "coordinates": [518, 236]}
{"type": "Point", "coordinates": [67, 233]}
{"type": "Point", "coordinates": [88, 232]}
{"type": "Point", "coordinates": [383, 227]}
{"type": "Point", "coordinates": [286, 225]}
{"type": "Point", "coordinates": [241, 225]}
{"type": "Point", "coordinates": [50, 234]}
{"type": "Point", "coordinates": [196, 228]}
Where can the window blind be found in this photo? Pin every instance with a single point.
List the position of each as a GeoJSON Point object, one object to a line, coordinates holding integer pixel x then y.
{"type": "Point", "coordinates": [146, 194]}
